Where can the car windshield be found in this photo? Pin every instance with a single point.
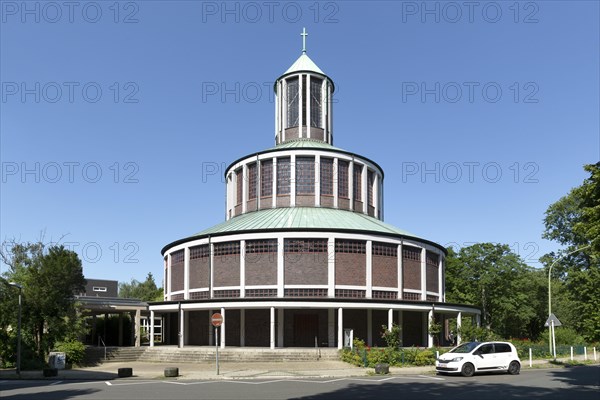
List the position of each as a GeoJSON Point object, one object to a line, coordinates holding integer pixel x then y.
{"type": "Point", "coordinates": [465, 348]}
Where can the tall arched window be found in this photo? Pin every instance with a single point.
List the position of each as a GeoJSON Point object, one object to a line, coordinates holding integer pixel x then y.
{"type": "Point", "coordinates": [293, 97]}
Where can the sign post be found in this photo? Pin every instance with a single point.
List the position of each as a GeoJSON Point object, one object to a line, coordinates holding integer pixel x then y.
{"type": "Point", "coordinates": [551, 322]}
{"type": "Point", "coordinates": [217, 319]}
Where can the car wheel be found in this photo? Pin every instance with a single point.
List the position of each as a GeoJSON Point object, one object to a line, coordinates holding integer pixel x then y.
{"type": "Point", "coordinates": [467, 369]}
{"type": "Point", "coordinates": [514, 368]}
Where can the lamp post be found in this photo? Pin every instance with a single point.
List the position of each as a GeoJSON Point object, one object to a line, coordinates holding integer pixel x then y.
{"type": "Point", "coordinates": [18, 328]}
{"type": "Point", "coordinates": [550, 287]}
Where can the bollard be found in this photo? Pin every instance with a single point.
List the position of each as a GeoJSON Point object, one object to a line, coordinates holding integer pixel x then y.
{"type": "Point", "coordinates": [571, 353]}
{"type": "Point", "coordinates": [124, 372]}
{"type": "Point", "coordinates": [530, 358]}
{"type": "Point", "coordinates": [171, 372]}
{"type": "Point", "coordinates": [585, 353]}
{"type": "Point", "coordinates": [595, 359]}
{"type": "Point", "coordinates": [437, 355]}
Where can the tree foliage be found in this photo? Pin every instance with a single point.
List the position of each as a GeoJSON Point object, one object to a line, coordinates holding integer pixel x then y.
{"type": "Point", "coordinates": [50, 276]}
{"type": "Point", "coordinates": [145, 291]}
{"type": "Point", "coordinates": [574, 221]}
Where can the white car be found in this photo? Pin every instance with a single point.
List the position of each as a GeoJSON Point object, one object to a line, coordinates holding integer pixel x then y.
{"type": "Point", "coordinates": [472, 357]}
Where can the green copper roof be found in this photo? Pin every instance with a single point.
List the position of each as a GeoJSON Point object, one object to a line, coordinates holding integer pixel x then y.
{"type": "Point", "coordinates": [303, 218]}
{"type": "Point", "coordinates": [304, 143]}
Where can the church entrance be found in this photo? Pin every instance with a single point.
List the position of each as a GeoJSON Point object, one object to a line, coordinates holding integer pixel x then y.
{"type": "Point", "coordinates": [306, 328]}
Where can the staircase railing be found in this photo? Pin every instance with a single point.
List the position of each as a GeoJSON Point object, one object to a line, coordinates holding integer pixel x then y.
{"type": "Point", "coordinates": [103, 344]}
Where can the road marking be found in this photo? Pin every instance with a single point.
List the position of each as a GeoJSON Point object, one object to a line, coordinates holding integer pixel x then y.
{"type": "Point", "coordinates": [55, 383]}
{"type": "Point", "coordinates": [108, 383]}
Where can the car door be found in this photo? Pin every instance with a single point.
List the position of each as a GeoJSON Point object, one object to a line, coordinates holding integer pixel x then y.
{"type": "Point", "coordinates": [503, 354]}
{"type": "Point", "coordinates": [484, 357]}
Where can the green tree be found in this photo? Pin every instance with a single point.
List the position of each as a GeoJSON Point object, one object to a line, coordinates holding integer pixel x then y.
{"type": "Point", "coordinates": [145, 291]}
{"type": "Point", "coordinates": [50, 277]}
{"type": "Point", "coordinates": [495, 279]}
{"type": "Point", "coordinates": [574, 222]}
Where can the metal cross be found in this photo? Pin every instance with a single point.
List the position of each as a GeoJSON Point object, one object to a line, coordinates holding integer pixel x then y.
{"type": "Point", "coordinates": [304, 35]}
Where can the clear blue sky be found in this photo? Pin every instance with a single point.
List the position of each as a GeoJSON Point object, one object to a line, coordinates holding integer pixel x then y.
{"type": "Point", "coordinates": [158, 123]}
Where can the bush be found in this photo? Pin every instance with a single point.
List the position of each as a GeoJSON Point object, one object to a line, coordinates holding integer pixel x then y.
{"type": "Point", "coordinates": [74, 350]}
{"type": "Point", "coordinates": [425, 357]}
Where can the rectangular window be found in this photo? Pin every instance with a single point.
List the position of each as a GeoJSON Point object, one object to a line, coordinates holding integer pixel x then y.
{"type": "Point", "coordinates": [326, 177]}
{"type": "Point", "coordinates": [350, 246]}
{"type": "Point", "coordinates": [343, 178]}
{"type": "Point", "coordinates": [305, 175]}
{"type": "Point", "coordinates": [385, 249]}
{"type": "Point", "coordinates": [292, 102]}
{"type": "Point", "coordinates": [252, 181]}
{"type": "Point", "coordinates": [305, 245]}
{"type": "Point", "coordinates": [315, 102]}
{"type": "Point", "coordinates": [266, 178]}
{"type": "Point", "coordinates": [99, 289]}
{"type": "Point", "coordinates": [370, 183]}
{"type": "Point", "coordinates": [199, 252]}
{"type": "Point", "coordinates": [177, 257]}
{"type": "Point", "coordinates": [227, 248]}
{"type": "Point", "coordinates": [283, 176]}
{"type": "Point", "coordinates": [411, 253]}
{"type": "Point", "coordinates": [261, 246]}
{"type": "Point", "coordinates": [357, 182]}
{"type": "Point", "coordinates": [239, 182]}
{"type": "Point", "coordinates": [303, 99]}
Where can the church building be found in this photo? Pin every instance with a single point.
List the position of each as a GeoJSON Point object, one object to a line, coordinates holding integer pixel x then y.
{"type": "Point", "coordinates": [304, 253]}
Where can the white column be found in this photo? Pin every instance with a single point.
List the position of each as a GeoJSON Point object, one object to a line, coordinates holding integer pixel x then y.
{"type": "Point", "coordinates": [335, 183]}
{"type": "Point", "coordinates": [181, 327]}
{"type": "Point", "coordinates": [381, 199]}
{"type": "Point", "coordinates": [151, 328]}
{"type": "Point", "coordinates": [211, 255]}
{"type": "Point", "coordinates": [242, 327]}
{"type": "Point", "coordinates": [168, 277]}
{"type": "Point", "coordinates": [242, 268]}
{"type": "Point", "coordinates": [376, 194]}
{"type": "Point", "coordinates": [351, 184]}
{"type": "Point", "coordinates": [364, 189]}
{"type": "Point", "coordinates": [440, 277]}
{"type": "Point", "coordinates": [274, 197]}
{"type": "Point", "coordinates": [284, 107]}
{"type": "Point", "coordinates": [300, 103]}
{"type": "Point", "coordinates": [331, 267]}
{"type": "Point", "coordinates": [369, 272]}
{"type": "Point", "coordinates": [293, 179]}
{"type": "Point", "coordinates": [280, 266]}
{"type": "Point", "coordinates": [244, 187]}
{"type": "Point", "coordinates": [280, 327]}
{"type": "Point", "coordinates": [400, 280]}
{"type": "Point", "coordinates": [458, 326]}
{"type": "Point", "coordinates": [390, 319]}
{"type": "Point", "coordinates": [369, 327]}
{"type": "Point", "coordinates": [307, 100]}
{"type": "Point", "coordinates": [429, 336]}
{"type": "Point", "coordinates": [423, 275]}
{"type": "Point", "coordinates": [331, 327]}
{"type": "Point", "coordinates": [317, 180]}
{"type": "Point", "coordinates": [138, 323]}
{"type": "Point", "coordinates": [340, 328]}
{"type": "Point", "coordinates": [272, 330]}
{"type": "Point", "coordinates": [278, 97]}
{"type": "Point", "coordinates": [186, 273]}
{"type": "Point", "coordinates": [223, 329]}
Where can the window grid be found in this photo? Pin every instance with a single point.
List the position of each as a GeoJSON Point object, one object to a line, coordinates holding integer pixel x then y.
{"type": "Point", "coordinates": [199, 295]}
{"type": "Point", "coordinates": [343, 179]}
{"type": "Point", "coordinates": [432, 259]}
{"type": "Point", "coordinates": [177, 257]}
{"type": "Point", "coordinates": [305, 175]}
{"type": "Point", "coordinates": [304, 98]}
{"type": "Point", "coordinates": [411, 253]}
{"type": "Point", "coordinates": [305, 246]}
{"type": "Point", "coordinates": [432, 298]}
{"type": "Point", "coordinates": [261, 246]}
{"type": "Point", "coordinates": [383, 294]}
{"type": "Point", "coordinates": [266, 178]}
{"type": "Point", "coordinates": [350, 246]}
{"type": "Point", "coordinates": [315, 102]}
{"type": "Point", "coordinates": [326, 177]}
{"type": "Point", "coordinates": [283, 176]}
{"type": "Point", "coordinates": [370, 182]}
{"type": "Point", "coordinates": [357, 182]}
{"type": "Point", "coordinates": [177, 296]}
{"type": "Point", "coordinates": [252, 181]}
{"type": "Point", "coordinates": [350, 293]}
{"type": "Point", "coordinates": [261, 292]}
{"type": "Point", "coordinates": [384, 249]}
{"type": "Point", "coordinates": [410, 296]}
{"type": "Point", "coordinates": [199, 252]}
{"type": "Point", "coordinates": [220, 294]}
{"type": "Point", "coordinates": [305, 292]}
{"type": "Point", "coordinates": [293, 98]}
{"type": "Point", "coordinates": [239, 178]}
{"type": "Point", "coordinates": [227, 248]}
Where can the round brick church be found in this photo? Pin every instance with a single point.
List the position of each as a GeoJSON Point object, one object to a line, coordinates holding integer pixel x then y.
{"type": "Point", "coordinates": [304, 254]}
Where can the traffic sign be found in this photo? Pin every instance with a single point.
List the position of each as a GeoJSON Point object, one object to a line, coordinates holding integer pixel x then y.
{"type": "Point", "coordinates": [216, 319]}
{"type": "Point", "coordinates": [552, 318]}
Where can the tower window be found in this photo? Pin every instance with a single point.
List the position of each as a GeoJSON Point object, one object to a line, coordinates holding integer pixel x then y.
{"type": "Point", "coordinates": [357, 182]}
{"type": "Point", "coordinates": [266, 178]}
{"type": "Point", "coordinates": [327, 176]}
{"type": "Point", "coordinates": [315, 103]}
{"type": "Point", "coordinates": [303, 99]}
{"type": "Point", "coordinates": [293, 97]}
{"type": "Point", "coordinates": [252, 181]}
{"type": "Point", "coordinates": [305, 175]}
{"type": "Point", "coordinates": [370, 183]}
{"type": "Point", "coordinates": [239, 182]}
{"type": "Point", "coordinates": [343, 179]}
{"type": "Point", "coordinates": [283, 176]}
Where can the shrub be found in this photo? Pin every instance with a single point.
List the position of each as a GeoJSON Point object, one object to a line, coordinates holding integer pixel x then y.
{"type": "Point", "coordinates": [74, 350]}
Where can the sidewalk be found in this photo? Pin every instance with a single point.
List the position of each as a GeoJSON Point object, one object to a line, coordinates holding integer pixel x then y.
{"type": "Point", "coordinates": [234, 370]}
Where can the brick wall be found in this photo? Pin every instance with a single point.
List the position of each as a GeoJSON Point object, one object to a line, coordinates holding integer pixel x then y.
{"type": "Point", "coordinates": [226, 270]}
{"type": "Point", "coordinates": [432, 278]}
{"type": "Point", "coordinates": [199, 273]}
{"type": "Point", "coordinates": [305, 200]}
{"type": "Point", "coordinates": [305, 268]}
{"type": "Point", "coordinates": [411, 274]}
{"type": "Point", "coordinates": [177, 277]}
{"type": "Point", "coordinates": [350, 269]}
{"type": "Point", "coordinates": [385, 271]}
{"type": "Point", "coordinates": [261, 268]}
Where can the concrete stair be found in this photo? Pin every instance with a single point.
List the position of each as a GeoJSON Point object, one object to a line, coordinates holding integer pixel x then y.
{"type": "Point", "coordinates": [95, 355]}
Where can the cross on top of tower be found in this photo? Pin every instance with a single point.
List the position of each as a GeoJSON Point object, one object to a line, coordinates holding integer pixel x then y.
{"type": "Point", "coordinates": [304, 35]}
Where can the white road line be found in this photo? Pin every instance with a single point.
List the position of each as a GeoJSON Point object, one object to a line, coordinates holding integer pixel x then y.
{"type": "Point", "coordinates": [55, 383]}
{"type": "Point", "coordinates": [108, 383]}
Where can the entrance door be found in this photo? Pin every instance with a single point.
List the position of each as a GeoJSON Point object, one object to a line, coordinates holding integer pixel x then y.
{"type": "Point", "coordinates": [306, 328]}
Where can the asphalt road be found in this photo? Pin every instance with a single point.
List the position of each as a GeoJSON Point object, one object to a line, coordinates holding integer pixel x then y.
{"type": "Point", "coordinates": [580, 383]}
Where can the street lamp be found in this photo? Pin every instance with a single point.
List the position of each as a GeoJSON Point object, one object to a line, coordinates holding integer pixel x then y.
{"type": "Point", "coordinates": [18, 328]}
{"type": "Point", "coordinates": [550, 291]}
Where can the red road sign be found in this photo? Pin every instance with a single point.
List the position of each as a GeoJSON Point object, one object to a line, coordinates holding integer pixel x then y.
{"type": "Point", "coordinates": [216, 319]}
